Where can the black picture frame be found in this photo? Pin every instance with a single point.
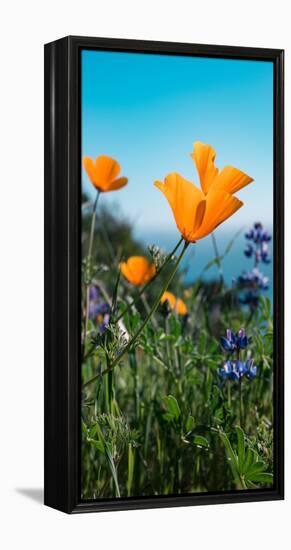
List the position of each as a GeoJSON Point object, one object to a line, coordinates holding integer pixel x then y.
{"type": "Point", "coordinates": [62, 272]}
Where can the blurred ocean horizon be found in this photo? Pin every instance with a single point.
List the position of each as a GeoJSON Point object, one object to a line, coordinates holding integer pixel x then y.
{"type": "Point", "coordinates": [201, 253]}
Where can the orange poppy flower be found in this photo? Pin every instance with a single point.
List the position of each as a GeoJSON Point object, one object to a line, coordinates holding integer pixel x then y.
{"type": "Point", "coordinates": [103, 173]}
{"type": "Point", "coordinates": [176, 304]}
{"type": "Point", "coordinates": [198, 212]}
{"type": "Point", "coordinates": [138, 270]}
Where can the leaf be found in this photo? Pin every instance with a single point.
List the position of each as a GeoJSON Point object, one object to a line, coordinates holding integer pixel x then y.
{"type": "Point", "coordinates": [202, 342]}
{"type": "Point", "coordinates": [97, 444]}
{"type": "Point", "coordinates": [189, 423]}
{"type": "Point", "coordinates": [130, 469]}
{"type": "Point", "coordinates": [232, 458]}
{"type": "Point", "coordinates": [200, 441]}
{"type": "Point", "coordinates": [240, 447]}
{"type": "Point", "coordinates": [115, 293]}
{"type": "Point", "coordinates": [175, 328]}
{"type": "Point", "coordinates": [231, 242]}
{"type": "Point", "coordinates": [255, 468]}
{"type": "Point", "coordinates": [173, 409]}
{"type": "Point", "coordinates": [214, 261]}
{"type": "Point", "coordinates": [100, 435]}
{"type": "Point", "coordinates": [208, 383]}
{"type": "Point", "coordinates": [249, 459]}
{"type": "Point", "coordinates": [261, 477]}
{"type": "Point", "coordinates": [112, 469]}
{"type": "Point", "coordinates": [84, 428]}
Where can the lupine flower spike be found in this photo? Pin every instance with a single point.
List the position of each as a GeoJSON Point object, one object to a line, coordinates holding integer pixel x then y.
{"type": "Point", "coordinates": [234, 342]}
{"type": "Point", "coordinates": [235, 369]}
{"type": "Point", "coordinates": [254, 281]}
{"type": "Point", "coordinates": [98, 309]}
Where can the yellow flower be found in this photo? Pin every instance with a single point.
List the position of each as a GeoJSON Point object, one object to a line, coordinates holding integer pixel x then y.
{"type": "Point", "coordinates": [176, 304]}
{"type": "Point", "coordinates": [137, 270]}
{"type": "Point", "coordinates": [103, 173]}
{"type": "Point", "coordinates": [198, 212]}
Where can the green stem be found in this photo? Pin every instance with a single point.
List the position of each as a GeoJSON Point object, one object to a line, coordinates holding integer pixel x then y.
{"type": "Point", "coordinates": [109, 389]}
{"type": "Point", "coordinates": [133, 364]}
{"type": "Point", "coordinates": [228, 394]}
{"type": "Point", "coordinates": [107, 243]}
{"type": "Point", "coordinates": [93, 223]}
{"type": "Point", "coordinates": [217, 257]}
{"type": "Point", "coordinates": [87, 288]}
{"type": "Point", "coordinates": [168, 354]}
{"type": "Point", "coordinates": [113, 470]}
{"type": "Point", "coordinates": [138, 332]}
{"type": "Point", "coordinates": [240, 403]}
{"type": "Point", "coordinates": [147, 309]}
{"type": "Point", "coordinates": [133, 302]}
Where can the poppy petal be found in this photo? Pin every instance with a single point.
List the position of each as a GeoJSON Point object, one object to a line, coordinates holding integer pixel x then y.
{"type": "Point", "coordinates": [204, 156]}
{"type": "Point", "coordinates": [199, 215]}
{"type": "Point", "coordinates": [184, 198]}
{"type": "Point", "coordinates": [180, 307]}
{"type": "Point", "coordinates": [231, 180]}
{"type": "Point", "coordinates": [138, 270]}
{"type": "Point", "coordinates": [106, 168]}
{"type": "Point", "coordinates": [125, 271]}
{"type": "Point", "coordinates": [89, 166]}
{"type": "Point", "coordinates": [169, 297]}
{"type": "Point", "coordinates": [116, 184]}
{"type": "Point", "coordinates": [230, 205]}
{"type": "Point", "coordinates": [219, 207]}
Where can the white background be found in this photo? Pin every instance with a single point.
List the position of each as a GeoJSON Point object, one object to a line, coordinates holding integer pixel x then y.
{"type": "Point", "coordinates": [25, 26]}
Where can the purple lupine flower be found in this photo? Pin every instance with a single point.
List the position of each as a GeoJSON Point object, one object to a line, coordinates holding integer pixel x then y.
{"type": "Point", "coordinates": [260, 238]}
{"type": "Point", "coordinates": [249, 234]}
{"type": "Point", "coordinates": [258, 230]}
{"type": "Point", "coordinates": [250, 369]}
{"type": "Point", "coordinates": [92, 310]}
{"type": "Point", "coordinates": [265, 253]}
{"type": "Point", "coordinates": [235, 370]}
{"type": "Point", "coordinates": [253, 279]}
{"type": "Point", "coordinates": [105, 323]}
{"type": "Point", "coordinates": [266, 237]}
{"type": "Point", "coordinates": [260, 279]}
{"type": "Point", "coordinates": [98, 310]}
{"type": "Point", "coordinates": [225, 371]}
{"type": "Point", "coordinates": [242, 339]}
{"type": "Point", "coordinates": [94, 293]}
{"type": "Point", "coordinates": [248, 251]}
{"type": "Point", "coordinates": [229, 342]}
{"type": "Point", "coordinates": [232, 370]}
{"type": "Point", "coordinates": [234, 342]}
{"type": "Point", "coordinates": [102, 308]}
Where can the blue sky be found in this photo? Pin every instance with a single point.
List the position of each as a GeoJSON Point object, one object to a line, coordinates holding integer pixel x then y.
{"type": "Point", "coordinates": [147, 110]}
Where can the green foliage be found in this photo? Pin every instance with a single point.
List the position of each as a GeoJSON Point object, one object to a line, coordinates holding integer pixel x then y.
{"type": "Point", "coordinates": [163, 421]}
{"type": "Point", "coordinates": [173, 410]}
{"type": "Point", "coordinates": [246, 467]}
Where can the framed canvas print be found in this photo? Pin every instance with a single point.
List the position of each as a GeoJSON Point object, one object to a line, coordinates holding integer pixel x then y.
{"type": "Point", "coordinates": [163, 274]}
